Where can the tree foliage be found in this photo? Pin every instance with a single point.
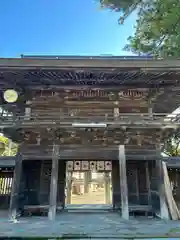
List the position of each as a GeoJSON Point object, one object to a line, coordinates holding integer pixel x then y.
{"type": "Point", "coordinates": [7, 148]}
{"type": "Point", "coordinates": [124, 6]}
{"type": "Point", "coordinates": [157, 33]}
{"type": "Point", "coordinates": [157, 29]}
{"type": "Point", "coordinates": [171, 146]}
{"type": "Point", "coordinates": [117, 5]}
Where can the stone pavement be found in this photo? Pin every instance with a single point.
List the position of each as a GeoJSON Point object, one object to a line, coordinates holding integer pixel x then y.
{"type": "Point", "coordinates": [94, 225]}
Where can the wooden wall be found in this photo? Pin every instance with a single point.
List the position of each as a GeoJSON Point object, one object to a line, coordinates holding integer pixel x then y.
{"type": "Point", "coordinates": [141, 178]}
{"type": "Point", "coordinates": [37, 178]}
{"type": "Point", "coordinates": [138, 179]}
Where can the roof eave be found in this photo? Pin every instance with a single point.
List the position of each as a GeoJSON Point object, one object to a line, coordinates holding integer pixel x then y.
{"type": "Point", "coordinates": [112, 63]}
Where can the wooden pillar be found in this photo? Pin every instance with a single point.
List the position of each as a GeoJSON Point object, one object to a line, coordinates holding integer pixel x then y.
{"type": "Point", "coordinates": [164, 213]}
{"type": "Point", "coordinates": [16, 186]}
{"type": "Point", "coordinates": [86, 182]}
{"type": "Point", "coordinates": [68, 187]}
{"type": "Point", "coordinates": [123, 183]}
{"type": "Point", "coordinates": [116, 192]}
{"type": "Point", "coordinates": [53, 184]}
{"type": "Point", "coordinates": [61, 184]}
{"type": "Point", "coordinates": [107, 187]}
{"type": "Point", "coordinates": [148, 185]}
{"type": "Point", "coordinates": [28, 110]}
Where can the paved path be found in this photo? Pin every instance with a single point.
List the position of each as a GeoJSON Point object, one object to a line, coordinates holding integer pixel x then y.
{"type": "Point", "coordinates": [104, 224]}
{"type": "Point", "coordinates": [89, 225]}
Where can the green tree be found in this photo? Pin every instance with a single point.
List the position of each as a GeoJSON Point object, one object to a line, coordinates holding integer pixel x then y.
{"type": "Point", "coordinates": [126, 7]}
{"type": "Point", "coordinates": [171, 146]}
{"type": "Point", "coordinates": [7, 148]}
{"type": "Point", "coordinates": [157, 33]}
{"type": "Point", "coordinates": [157, 26]}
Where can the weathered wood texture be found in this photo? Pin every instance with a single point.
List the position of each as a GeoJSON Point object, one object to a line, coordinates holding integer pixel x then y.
{"type": "Point", "coordinates": [7, 161]}
{"type": "Point", "coordinates": [37, 188]}
{"type": "Point", "coordinates": [138, 192]}
{"type": "Point", "coordinates": [154, 195]}
{"type": "Point", "coordinates": [92, 137]}
{"type": "Point", "coordinates": [116, 190]}
{"type": "Point", "coordinates": [173, 211]}
{"type": "Point", "coordinates": [54, 97]}
{"type": "Point", "coordinates": [164, 213]}
{"type": "Point", "coordinates": [61, 184]}
{"type": "Point", "coordinates": [138, 181]}
{"type": "Point", "coordinates": [89, 154]}
{"type": "Point", "coordinates": [107, 188]}
{"type": "Point", "coordinates": [14, 202]}
{"type": "Point", "coordinates": [91, 105]}
{"type": "Point", "coordinates": [46, 167]}
{"type": "Point", "coordinates": [141, 180]}
{"type": "Point", "coordinates": [123, 183]}
{"type": "Point", "coordinates": [32, 182]}
{"type": "Point", "coordinates": [54, 183]}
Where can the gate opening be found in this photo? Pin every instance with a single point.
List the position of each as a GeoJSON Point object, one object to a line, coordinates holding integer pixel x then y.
{"type": "Point", "coordinates": [88, 184]}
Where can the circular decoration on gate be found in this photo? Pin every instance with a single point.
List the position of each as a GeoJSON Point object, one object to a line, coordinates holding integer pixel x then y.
{"type": "Point", "coordinates": [10, 96]}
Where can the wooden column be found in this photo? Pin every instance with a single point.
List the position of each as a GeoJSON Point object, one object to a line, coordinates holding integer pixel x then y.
{"type": "Point", "coordinates": [123, 183]}
{"type": "Point", "coordinates": [28, 110]}
{"type": "Point", "coordinates": [61, 184]}
{"type": "Point", "coordinates": [164, 213]}
{"type": "Point", "coordinates": [107, 187]}
{"type": "Point", "coordinates": [116, 192]}
{"type": "Point", "coordinates": [86, 182]}
{"type": "Point", "coordinates": [148, 184]}
{"type": "Point", "coordinates": [54, 182]}
{"type": "Point", "coordinates": [16, 186]}
{"type": "Point", "coordinates": [68, 187]}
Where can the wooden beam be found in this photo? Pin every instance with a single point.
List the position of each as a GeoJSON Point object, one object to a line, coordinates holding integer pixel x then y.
{"type": "Point", "coordinates": [54, 182]}
{"type": "Point", "coordinates": [76, 152]}
{"type": "Point", "coordinates": [172, 207]}
{"type": "Point", "coordinates": [15, 186]}
{"type": "Point", "coordinates": [67, 123]}
{"type": "Point", "coordinates": [164, 213]}
{"type": "Point", "coordinates": [90, 62]}
{"type": "Point", "coordinates": [93, 155]}
{"type": "Point", "coordinates": [123, 183]}
{"type": "Point", "coordinates": [172, 162]}
{"type": "Point", "coordinates": [148, 184]}
{"type": "Point", "coordinates": [7, 161]}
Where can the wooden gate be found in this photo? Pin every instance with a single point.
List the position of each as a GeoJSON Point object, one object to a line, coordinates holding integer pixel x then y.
{"type": "Point", "coordinates": [6, 178]}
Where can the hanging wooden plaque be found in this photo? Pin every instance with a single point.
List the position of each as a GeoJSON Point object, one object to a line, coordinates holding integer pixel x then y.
{"type": "Point", "coordinates": [70, 166]}
{"type": "Point", "coordinates": [92, 165]}
{"type": "Point", "coordinates": [85, 165]}
{"type": "Point", "coordinates": [108, 166]}
{"type": "Point", "coordinates": [100, 165]}
{"type": "Point", "coordinates": [77, 165]}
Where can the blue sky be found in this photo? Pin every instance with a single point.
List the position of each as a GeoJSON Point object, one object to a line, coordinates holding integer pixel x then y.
{"type": "Point", "coordinates": [57, 27]}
